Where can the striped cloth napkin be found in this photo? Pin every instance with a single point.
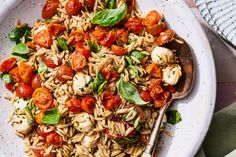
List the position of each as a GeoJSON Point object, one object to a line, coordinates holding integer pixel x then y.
{"type": "Point", "coordinates": [221, 137]}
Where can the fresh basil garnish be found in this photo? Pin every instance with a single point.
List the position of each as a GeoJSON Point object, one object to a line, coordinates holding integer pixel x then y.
{"type": "Point", "coordinates": [20, 34]}
{"type": "Point", "coordinates": [137, 55]}
{"type": "Point", "coordinates": [63, 44]}
{"type": "Point", "coordinates": [93, 46]}
{"type": "Point", "coordinates": [125, 140]}
{"type": "Point", "coordinates": [129, 92]}
{"type": "Point", "coordinates": [99, 83]}
{"type": "Point", "coordinates": [21, 50]}
{"type": "Point", "coordinates": [6, 78]}
{"type": "Point", "coordinates": [42, 68]}
{"type": "Point", "coordinates": [110, 17]}
{"type": "Point", "coordinates": [51, 116]}
{"type": "Point", "coordinates": [173, 117]}
{"type": "Point", "coordinates": [111, 4]}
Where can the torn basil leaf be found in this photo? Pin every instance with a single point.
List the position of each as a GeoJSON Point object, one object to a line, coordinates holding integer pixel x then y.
{"type": "Point", "coordinates": [21, 50]}
{"type": "Point", "coordinates": [20, 34]}
{"type": "Point", "coordinates": [63, 44]}
{"type": "Point", "coordinates": [6, 78]}
{"type": "Point", "coordinates": [99, 83]}
{"type": "Point", "coordinates": [93, 46]}
{"type": "Point", "coordinates": [51, 116]}
{"type": "Point", "coordinates": [173, 117]}
{"type": "Point", "coordinates": [42, 68]}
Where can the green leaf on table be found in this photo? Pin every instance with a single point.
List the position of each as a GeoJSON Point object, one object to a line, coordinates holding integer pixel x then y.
{"type": "Point", "coordinates": [173, 117]}
{"type": "Point", "coordinates": [129, 92]}
{"type": "Point", "coordinates": [51, 116]}
{"type": "Point", "coordinates": [110, 17]}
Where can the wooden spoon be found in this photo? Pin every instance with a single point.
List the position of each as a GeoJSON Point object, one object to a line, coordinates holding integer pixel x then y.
{"type": "Point", "coordinates": [183, 88]}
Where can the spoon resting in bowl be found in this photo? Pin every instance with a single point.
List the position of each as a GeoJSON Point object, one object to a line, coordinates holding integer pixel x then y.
{"type": "Point", "coordinates": [183, 88]}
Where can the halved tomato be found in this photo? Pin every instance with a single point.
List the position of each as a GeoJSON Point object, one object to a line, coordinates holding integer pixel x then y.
{"type": "Point", "coordinates": [14, 73]}
{"type": "Point", "coordinates": [49, 62]}
{"type": "Point", "coordinates": [87, 103]}
{"type": "Point", "coordinates": [42, 98]}
{"type": "Point", "coordinates": [65, 73]}
{"type": "Point", "coordinates": [7, 64]}
{"type": "Point", "coordinates": [50, 8]}
{"type": "Point", "coordinates": [76, 36]}
{"type": "Point", "coordinates": [42, 133]}
{"type": "Point", "coordinates": [109, 73]}
{"type": "Point", "coordinates": [43, 39]}
{"type": "Point", "coordinates": [73, 7]}
{"type": "Point", "coordinates": [118, 50]}
{"type": "Point", "coordinates": [74, 105]}
{"type": "Point", "coordinates": [25, 72]}
{"type": "Point", "coordinates": [24, 90]}
{"type": "Point", "coordinates": [36, 81]}
{"type": "Point", "coordinates": [55, 139]}
{"type": "Point", "coordinates": [78, 61]}
{"type": "Point", "coordinates": [145, 95]}
{"type": "Point", "coordinates": [55, 28]}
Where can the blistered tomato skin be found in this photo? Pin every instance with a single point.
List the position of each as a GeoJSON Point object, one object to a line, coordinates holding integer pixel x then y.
{"type": "Point", "coordinates": [50, 8]}
{"type": "Point", "coordinates": [7, 64]}
{"type": "Point", "coordinates": [24, 90]}
{"type": "Point", "coordinates": [134, 25]}
{"type": "Point", "coordinates": [73, 7]}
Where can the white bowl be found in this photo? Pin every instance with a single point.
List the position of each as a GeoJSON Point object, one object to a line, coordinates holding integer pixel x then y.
{"type": "Point", "coordinates": [196, 109]}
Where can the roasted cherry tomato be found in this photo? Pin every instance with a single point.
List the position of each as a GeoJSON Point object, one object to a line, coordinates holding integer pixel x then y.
{"type": "Point", "coordinates": [74, 105]}
{"type": "Point", "coordinates": [40, 153]}
{"type": "Point", "coordinates": [118, 50]}
{"type": "Point", "coordinates": [65, 73]}
{"type": "Point", "coordinates": [30, 44]}
{"type": "Point", "coordinates": [42, 98]}
{"type": "Point", "coordinates": [89, 3]}
{"type": "Point", "coordinates": [42, 133]}
{"type": "Point", "coordinates": [87, 103]}
{"type": "Point", "coordinates": [154, 70]}
{"type": "Point", "coordinates": [134, 25]}
{"type": "Point", "coordinates": [145, 95]}
{"type": "Point", "coordinates": [109, 39]}
{"type": "Point", "coordinates": [78, 61]}
{"type": "Point", "coordinates": [109, 73]}
{"type": "Point", "coordinates": [122, 35]}
{"type": "Point", "coordinates": [99, 33]}
{"type": "Point", "coordinates": [73, 7]}
{"type": "Point", "coordinates": [24, 90]}
{"type": "Point", "coordinates": [152, 18]}
{"type": "Point", "coordinates": [14, 73]}
{"type": "Point", "coordinates": [161, 99]}
{"type": "Point", "coordinates": [55, 139]}
{"type": "Point", "coordinates": [156, 29]}
{"type": "Point", "coordinates": [7, 64]}
{"type": "Point", "coordinates": [49, 62]}
{"type": "Point", "coordinates": [76, 36]}
{"type": "Point", "coordinates": [39, 118]}
{"type": "Point", "coordinates": [25, 72]}
{"type": "Point", "coordinates": [110, 101]}
{"type": "Point", "coordinates": [55, 28]}
{"type": "Point", "coordinates": [10, 86]}
{"type": "Point", "coordinates": [82, 49]}
{"type": "Point", "coordinates": [155, 92]}
{"type": "Point", "coordinates": [50, 8]}
{"type": "Point", "coordinates": [165, 37]}
{"type": "Point", "coordinates": [43, 39]}
{"type": "Point", "coordinates": [36, 81]}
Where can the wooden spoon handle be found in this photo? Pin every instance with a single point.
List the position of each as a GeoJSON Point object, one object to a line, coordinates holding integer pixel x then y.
{"type": "Point", "coordinates": [153, 139]}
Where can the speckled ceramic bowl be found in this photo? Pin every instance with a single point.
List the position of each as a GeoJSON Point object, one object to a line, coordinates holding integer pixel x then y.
{"type": "Point", "coordinates": [221, 16]}
{"type": "Point", "coordinates": [196, 109]}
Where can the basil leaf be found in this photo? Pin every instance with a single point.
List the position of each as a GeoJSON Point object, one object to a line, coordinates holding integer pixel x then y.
{"type": "Point", "coordinates": [173, 117]}
{"type": "Point", "coordinates": [20, 50]}
{"type": "Point", "coordinates": [7, 78]}
{"type": "Point", "coordinates": [110, 17]}
{"type": "Point", "coordinates": [99, 83]}
{"type": "Point", "coordinates": [42, 68]}
{"type": "Point", "coordinates": [129, 60]}
{"type": "Point", "coordinates": [17, 33]}
{"type": "Point", "coordinates": [137, 55]}
{"type": "Point", "coordinates": [51, 117]}
{"type": "Point", "coordinates": [125, 141]}
{"type": "Point", "coordinates": [129, 92]}
{"type": "Point", "coordinates": [93, 46]}
{"type": "Point", "coordinates": [30, 105]}
{"type": "Point", "coordinates": [133, 71]}
{"type": "Point", "coordinates": [111, 4]}
{"type": "Point", "coordinates": [63, 44]}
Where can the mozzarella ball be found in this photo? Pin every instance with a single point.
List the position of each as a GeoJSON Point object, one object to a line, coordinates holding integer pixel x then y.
{"type": "Point", "coordinates": [20, 104]}
{"type": "Point", "coordinates": [21, 123]}
{"type": "Point", "coordinates": [162, 56]}
{"type": "Point", "coordinates": [82, 84]}
{"type": "Point", "coordinates": [83, 122]}
{"type": "Point", "coordinates": [171, 74]}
